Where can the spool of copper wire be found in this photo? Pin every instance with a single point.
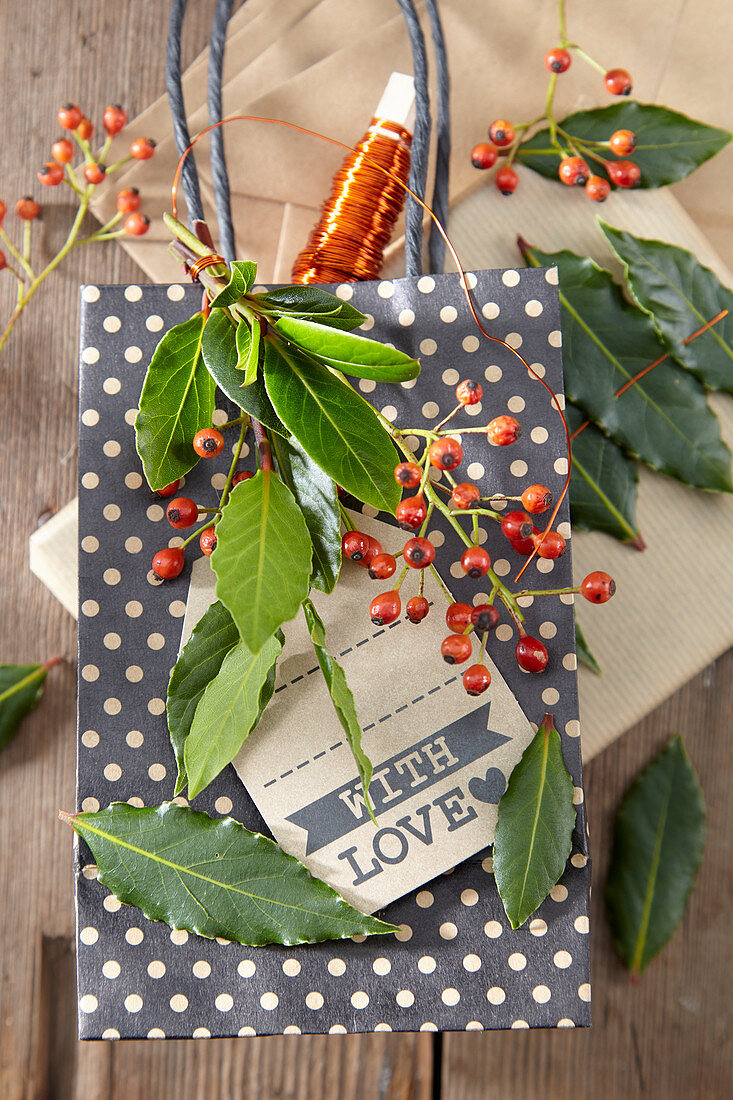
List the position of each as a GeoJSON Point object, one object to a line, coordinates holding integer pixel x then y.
{"type": "Point", "coordinates": [356, 222]}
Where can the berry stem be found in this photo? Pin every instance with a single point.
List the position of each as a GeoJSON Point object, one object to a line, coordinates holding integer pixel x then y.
{"type": "Point", "coordinates": [587, 57]}
{"type": "Point", "coordinates": [426, 521]}
{"type": "Point", "coordinates": [445, 419]}
{"type": "Point", "coordinates": [439, 579]}
{"type": "Point", "coordinates": [400, 579]}
{"type": "Point", "coordinates": [195, 535]}
{"type": "Point", "coordinates": [14, 251]}
{"type": "Point", "coordinates": [233, 423]}
{"type": "Point", "coordinates": [72, 181]}
{"type": "Point", "coordinates": [547, 592]}
{"type": "Point", "coordinates": [233, 467]}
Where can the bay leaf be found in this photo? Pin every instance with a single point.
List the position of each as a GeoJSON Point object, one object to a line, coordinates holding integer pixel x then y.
{"type": "Point", "coordinates": [663, 418]}
{"type": "Point", "coordinates": [201, 658]}
{"type": "Point", "coordinates": [213, 877]}
{"type": "Point", "coordinates": [334, 425]}
{"type": "Point", "coordinates": [534, 830]}
{"type": "Point", "coordinates": [681, 295]}
{"type": "Point", "coordinates": [603, 483]}
{"type": "Point", "coordinates": [317, 498]}
{"type": "Point", "coordinates": [310, 302]}
{"type": "Point", "coordinates": [342, 699]}
{"type": "Point", "coordinates": [222, 360]}
{"type": "Point", "coordinates": [583, 651]}
{"type": "Point", "coordinates": [658, 841]}
{"type": "Point", "coordinates": [242, 274]}
{"type": "Point", "coordinates": [669, 144]}
{"type": "Point", "coordinates": [227, 712]}
{"type": "Point", "coordinates": [348, 352]}
{"type": "Point", "coordinates": [21, 688]}
{"type": "Point", "coordinates": [262, 558]}
{"type": "Point", "coordinates": [177, 400]}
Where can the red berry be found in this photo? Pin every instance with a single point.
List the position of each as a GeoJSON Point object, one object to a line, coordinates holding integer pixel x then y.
{"type": "Point", "coordinates": [114, 119]}
{"type": "Point", "coordinates": [3, 211]}
{"type": "Point", "coordinates": [525, 546]}
{"type": "Point", "coordinates": [516, 525]}
{"type": "Point", "coordinates": [182, 512]}
{"type": "Point", "coordinates": [531, 654]}
{"type": "Point", "coordinates": [446, 453]}
{"type": "Point", "coordinates": [484, 617]}
{"type": "Point", "coordinates": [475, 561]}
{"type": "Point", "coordinates": [597, 188]}
{"type": "Point", "coordinates": [411, 513]}
{"type": "Point", "coordinates": [624, 173]}
{"type": "Point", "coordinates": [168, 563]}
{"type": "Point", "coordinates": [408, 474]}
{"type": "Point", "coordinates": [418, 553]}
{"type": "Point", "coordinates": [456, 649]}
{"type": "Point", "coordinates": [85, 129]}
{"type": "Point", "coordinates": [476, 679]}
{"type": "Point", "coordinates": [469, 392]}
{"type": "Point", "coordinates": [70, 116]}
{"type": "Point", "coordinates": [51, 174]}
{"type": "Point", "coordinates": [208, 442]}
{"type": "Point", "coordinates": [3, 261]}
{"type": "Point", "coordinates": [551, 545]}
{"type": "Point", "coordinates": [169, 490]}
{"type": "Point", "coordinates": [536, 499]}
{"type": "Point", "coordinates": [417, 608]}
{"type": "Point", "coordinates": [354, 545]}
{"type": "Point", "coordinates": [622, 142]}
{"type": "Point", "coordinates": [374, 549]}
{"type": "Point", "coordinates": [381, 567]}
{"type": "Point", "coordinates": [27, 208]}
{"type": "Point", "coordinates": [128, 201]}
{"type": "Point", "coordinates": [137, 225]}
{"type": "Point", "coordinates": [617, 82]}
{"type": "Point", "coordinates": [142, 148]}
{"type": "Point", "coordinates": [501, 132]}
{"type": "Point", "coordinates": [573, 170]}
{"type": "Point", "coordinates": [598, 587]}
{"type": "Point", "coordinates": [207, 541]}
{"type": "Point", "coordinates": [385, 608]}
{"type": "Point", "coordinates": [507, 180]}
{"type": "Point", "coordinates": [465, 494]}
{"type": "Point", "coordinates": [557, 60]}
{"type": "Point", "coordinates": [484, 155]}
{"type": "Point", "coordinates": [243, 475]}
{"type": "Point", "coordinates": [502, 431]}
{"type": "Point", "coordinates": [62, 151]}
{"type": "Point", "coordinates": [458, 617]}
{"type": "Point", "coordinates": [94, 173]}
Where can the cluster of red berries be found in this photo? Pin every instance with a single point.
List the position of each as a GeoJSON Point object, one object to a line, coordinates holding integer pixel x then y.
{"type": "Point", "coordinates": [505, 139]}
{"type": "Point", "coordinates": [54, 171]}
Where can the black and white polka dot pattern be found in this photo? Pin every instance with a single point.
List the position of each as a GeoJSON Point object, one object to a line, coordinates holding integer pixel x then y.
{"type": "Point", "coordinates": [456, 964]}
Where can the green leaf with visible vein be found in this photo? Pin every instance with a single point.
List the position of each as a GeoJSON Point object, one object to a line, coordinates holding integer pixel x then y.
{"type": "Point", "coordinates": [177, 400]}
{"type": "Point", "coordinates": [310, 302]}
{"type": "Point", "coordinates": [534, 830]}
{"type": "Point", "coordinates": [669, 145]}
{"type": "Point", "coordinates": [682, 296]}
{"type": "Point", "coordinates": [658, 841]}
{"type": "Point", "coordinates": [585, 655]}
{"type": "Point", "coordinates": [342, 699]}
{"type": "Point", "coordinates": [248, 350]}
{"type": "Point", "coordinates": [317, 498]}
{"type": "Point", "coordinates": [221, 358]}
{"type": "Point", "coordinates": [242, 274]}
{"type": "Point", "coordinates": [21, 688]}
{"type": "Point", "coordinates": [227, 712]}
{"type": "Point", "coordinates": [663, 418]}
{"type": "Point", "coordinates": [603, 483]}
{"type": "Point", "coordinates": [213, 637]}
{"type": "Point", "coordinates": [213, 877]}
{"type": "Point", "coordinates": [334, 425]}
{"type": "Point", "coordinates": [262, 558]}
{"type": "Point", "coordinates": [348, 352]}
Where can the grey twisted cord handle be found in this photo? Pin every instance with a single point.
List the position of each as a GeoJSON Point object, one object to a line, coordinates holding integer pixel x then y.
{"type": "Point", "coordinates": [189, 175]}
{"type": "Point", "coordinates": [219, 171]}
{"type": "Point", "coordinates": [442, 145]}
{"type": "Point", "coordinates": [420, 148]}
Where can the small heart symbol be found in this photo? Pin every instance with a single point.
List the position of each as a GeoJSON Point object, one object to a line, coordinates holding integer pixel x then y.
{"type": "Point", "coordinates": [490, 788]}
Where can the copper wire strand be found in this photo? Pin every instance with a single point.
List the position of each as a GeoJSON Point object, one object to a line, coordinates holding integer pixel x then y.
{"type": "Point", "coordinates": [198, 266]}
{"type": "Point", "coordinates": [449, 245]}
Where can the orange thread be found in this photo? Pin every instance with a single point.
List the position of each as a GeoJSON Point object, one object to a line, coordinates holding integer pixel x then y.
{"type": "Point", "coordinates": [449, 245]}
{"type": "Point", "coordinates": [198, 266]}
{"type": "Point", "coordinates": [347, 242]}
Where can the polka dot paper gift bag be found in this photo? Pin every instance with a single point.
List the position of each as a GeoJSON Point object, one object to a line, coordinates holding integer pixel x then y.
{"type": "Point", "coordinates": [455, 963]}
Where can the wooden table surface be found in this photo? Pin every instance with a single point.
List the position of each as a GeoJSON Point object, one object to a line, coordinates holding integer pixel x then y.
{"type": "Point", "coordinates": [669, 1037]}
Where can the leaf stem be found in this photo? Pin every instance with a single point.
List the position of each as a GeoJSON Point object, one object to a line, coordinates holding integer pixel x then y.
{"type": "Point", "coordinates": [263, 446]}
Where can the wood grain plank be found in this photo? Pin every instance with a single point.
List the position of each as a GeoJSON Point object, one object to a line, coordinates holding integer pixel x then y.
{"type": "Point", "coordinates": [670, 1035]}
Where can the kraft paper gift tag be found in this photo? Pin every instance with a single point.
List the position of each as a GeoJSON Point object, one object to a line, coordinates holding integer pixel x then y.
{"type": "Point", "coordinates": [455, 962]}
{"type": "Point", "coordinates": [441, 759]}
